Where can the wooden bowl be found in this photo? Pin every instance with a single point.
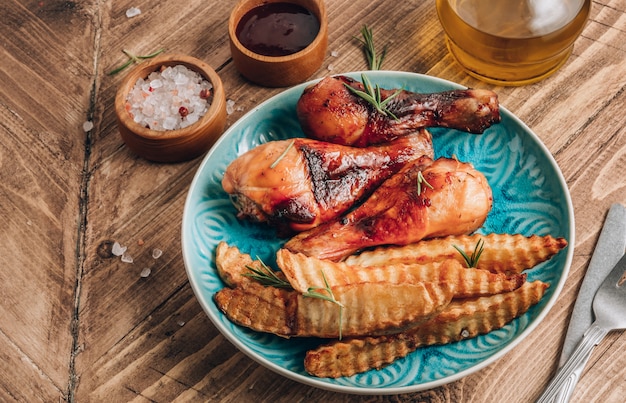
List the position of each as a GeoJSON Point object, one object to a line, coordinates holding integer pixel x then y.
{"type": "Point", "coordinates": [279, 71]}
{"type": "Point", "coordinates": [179, 144]}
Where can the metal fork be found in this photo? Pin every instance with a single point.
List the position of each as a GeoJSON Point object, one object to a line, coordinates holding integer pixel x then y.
{"type": "Point", "coordinates": [609, 305]}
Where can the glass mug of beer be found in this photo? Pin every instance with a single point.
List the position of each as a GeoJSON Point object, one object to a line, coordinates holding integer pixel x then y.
{"type": "Point", "coordinates": [512, 42]}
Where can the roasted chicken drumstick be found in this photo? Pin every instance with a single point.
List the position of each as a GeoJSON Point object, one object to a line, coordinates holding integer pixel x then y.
{"type": "Point", "coordinates": [425, 199]}
{"type": "Point", "coordinates": [329, 111]}
{"type": "Point", "coordinates": [300, 183]}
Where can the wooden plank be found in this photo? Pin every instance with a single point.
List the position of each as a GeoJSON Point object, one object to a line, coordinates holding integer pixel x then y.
{"type": "Point", "coordinates": [44, 60]}
{"type": "Point", "coordinates": [139, 204]}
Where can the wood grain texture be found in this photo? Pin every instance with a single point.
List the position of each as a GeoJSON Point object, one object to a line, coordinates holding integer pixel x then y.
{"type": "Point", "coordinates": [46, 86]}
{"type": "Point", "coordinates": [78, 324]}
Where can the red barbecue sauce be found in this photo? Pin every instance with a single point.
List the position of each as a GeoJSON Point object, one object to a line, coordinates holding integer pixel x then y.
{"type": "Point", "coordinates": [277, 29]}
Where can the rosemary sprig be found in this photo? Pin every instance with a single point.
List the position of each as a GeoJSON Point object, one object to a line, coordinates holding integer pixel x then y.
{"type": "Point", "coordinates": [372, 95]}
{"type": "Point", "coordinates": [329, 296]}
{"type": "Point", "coordinates": [472, 260]}
{"type": "Point", "coordinates": [374, 60]}
{"type": "Point", "coordinates": [281, 156]}
{"type": "Point", "coordinates": [134, 59]}
{"type": "Point", "coordinates": [266, 276]}
{"type": "Point", "coordinates": [421, 180]}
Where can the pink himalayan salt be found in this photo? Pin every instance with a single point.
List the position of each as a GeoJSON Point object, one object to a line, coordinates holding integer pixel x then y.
{"type": "Point", "coordinates": [171, 99]}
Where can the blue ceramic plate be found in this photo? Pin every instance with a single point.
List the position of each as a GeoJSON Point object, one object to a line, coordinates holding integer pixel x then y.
{"type": "Point", "coordinates": [530, 197]}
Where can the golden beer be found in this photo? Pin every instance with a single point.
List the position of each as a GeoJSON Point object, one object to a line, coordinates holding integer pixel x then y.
{"type": "Point", "coordinates": [512, 42]}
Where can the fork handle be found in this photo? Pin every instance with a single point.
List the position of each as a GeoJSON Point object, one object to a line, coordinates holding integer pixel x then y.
{"type": "Point", "coordinates": [567, 377]}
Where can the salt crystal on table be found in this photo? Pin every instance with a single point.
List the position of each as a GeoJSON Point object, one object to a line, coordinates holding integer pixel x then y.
{"type": "Point", "coordinates": [145, 272]}
{"type": "Point", "coordinates": [230, 106]}
{"type": "Point", "coordinates": [156, 253]}
{"type": "Point", "coordinates": [88, 125]}
{"type": "Point", "coordinates": [126, 258]}
{"type": "Point", "coordinates": [133, 12]}
{"type": "Point", "coordinates": [117, 249]}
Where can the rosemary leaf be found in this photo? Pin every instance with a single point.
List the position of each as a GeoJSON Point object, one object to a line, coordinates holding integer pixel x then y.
{"type": "Point", "coordinates": [312, 293]}
{"type": "Point", "coordinates": [472, 260]}
{"type": "Point", "coordinates": [374, 60]}
{"type": "Point", "coordinates": [151, 55]}
{"type": "Point", "coordinates": [373, 96]}
{"type": "Point", "coordinates": [281, 156]}
{"type": "Point", "coordinates": [120, 68]}
{"type": "Point", "coordinates": [384, 103]}
{"type": "Point", "coordinates": [367, 84]}
{"type": "Point", "coordinates": [421, 180]}
{"type": "Point", "coordinates": [266, 276]}
{"type": "Point", "coordinates": [133, 59]}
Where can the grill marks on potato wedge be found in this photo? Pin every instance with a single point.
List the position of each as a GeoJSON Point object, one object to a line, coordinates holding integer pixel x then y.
{"type": "Point", "coordinates": [303, 272]}
{"type": "Point", "coordinates": [502, 253]}
{"type": "Point", "coordinates": [461, 319]}
{"type": "Point", "coordinates": [231, 264]}
{"type": "Point", "coordinates": [371, 308]}
{"type": "Point", "coordinates": [368, 308]}
{"type": "Point", "coordinates": [265, 309]}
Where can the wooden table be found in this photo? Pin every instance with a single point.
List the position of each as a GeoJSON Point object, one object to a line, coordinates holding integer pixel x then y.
{"type": "Point", "coordinates": [78, 324]}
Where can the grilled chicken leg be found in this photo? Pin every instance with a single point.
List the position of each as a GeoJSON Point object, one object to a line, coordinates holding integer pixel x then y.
{"type": "Point", "coordinates": [329, 111]}
{"type": "Point", "coordinates": [302, 182]}
{"type": "Point", "coordinates": [425, 199]}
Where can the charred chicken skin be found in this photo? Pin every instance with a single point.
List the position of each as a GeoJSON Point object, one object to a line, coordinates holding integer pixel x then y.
{"type": "Point", "coordinates": [329, 111]}
{"type": "Point", "coordinates": [426, 199]}
{"type": "Point", "coordinates": [300, 183]}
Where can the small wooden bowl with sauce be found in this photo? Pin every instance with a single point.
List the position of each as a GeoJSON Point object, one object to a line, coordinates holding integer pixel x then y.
{"type": "Point", "coordinates": [287, 53]}
{"type": "Point", "coordinates": [178, 144]}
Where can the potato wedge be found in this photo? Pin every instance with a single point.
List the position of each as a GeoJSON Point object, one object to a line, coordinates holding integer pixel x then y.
{"type": "Point", "coordinates": [303, 272]}
{"type": "Point", "coordinates": [502, 253]}
{"type": "Point", "coordinates": [233, 266]}
{"type": "Point", "coordinates": [373, 308]}
{"type": "Point", "coordinates": [461, 319]}
{"type": "Point", "coordinates": [265, 309]}
{"type": "Point", "coordinates": [360, 309]}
